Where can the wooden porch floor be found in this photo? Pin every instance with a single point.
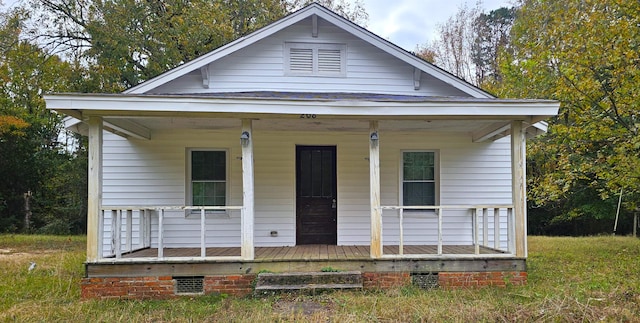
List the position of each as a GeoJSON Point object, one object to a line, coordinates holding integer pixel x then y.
{"type": "Point", "coordinates": [302, 252]}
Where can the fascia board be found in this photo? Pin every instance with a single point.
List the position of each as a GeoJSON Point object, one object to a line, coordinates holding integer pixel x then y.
{"type": "Point", "coordinates": [135, 104]}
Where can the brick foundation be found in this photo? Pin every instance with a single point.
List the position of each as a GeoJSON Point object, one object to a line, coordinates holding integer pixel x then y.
{"type": "Point", "coordinates": [450, 280]}
{"type": "Point", "coordinates": [163, 287]}
{"type": "Point", "coordinates": [128, 287]}
{"type": "Point", "coordinates": [236, 285]}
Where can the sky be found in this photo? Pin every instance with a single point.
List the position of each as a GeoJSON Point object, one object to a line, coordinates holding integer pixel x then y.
{"type": "Point", "coordinates": [408, 23]}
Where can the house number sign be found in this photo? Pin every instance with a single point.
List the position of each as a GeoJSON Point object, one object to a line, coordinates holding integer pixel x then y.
{"type": "Point", "coordinates": [308, 116]}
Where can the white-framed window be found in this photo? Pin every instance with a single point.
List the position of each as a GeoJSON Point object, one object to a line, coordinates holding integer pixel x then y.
{"type": "Point", "coordinates": [419, 178]}
{"type": "Point", "coordinates": [207, 177]}
{"type": "Point", "coordinates": [315, 59]}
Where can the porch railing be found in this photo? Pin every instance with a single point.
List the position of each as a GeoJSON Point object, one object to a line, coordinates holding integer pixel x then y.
{"type": "Point", "coordinates": [480, 229]}
{"type": "Point", "coordinates": [131, 230]}
{"type": "Point", "coordinates": [141, 230]}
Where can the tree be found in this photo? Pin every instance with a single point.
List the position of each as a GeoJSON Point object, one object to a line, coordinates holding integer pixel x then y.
{"type": "Point", "coordinates": [426, 53]}
{"type": "Point", "coordinates": [353, 10]}
{"type": "Point", "coordinates": [492, 35]}
{"type": "Point", "coordinates": [30, 151]}
{"type": "Point", "coordinates": [468, 44]}
{"type": "Point", "coordinates": [452, 48]}
{"type": "Point", "coordinates": [587, 55]}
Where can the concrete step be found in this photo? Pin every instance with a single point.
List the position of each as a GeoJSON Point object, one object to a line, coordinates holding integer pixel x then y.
{"type": "Point", "coordinates": [308, 281]}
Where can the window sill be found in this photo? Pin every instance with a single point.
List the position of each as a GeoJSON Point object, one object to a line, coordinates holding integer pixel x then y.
{"type": "Point", "coordinates": [208, 214]}
{"type": "Point", "coordinates": [417, 213]}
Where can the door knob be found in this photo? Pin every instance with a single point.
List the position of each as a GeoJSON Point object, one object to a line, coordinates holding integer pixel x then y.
{"type": "Point", "coordinates": [333, 204]}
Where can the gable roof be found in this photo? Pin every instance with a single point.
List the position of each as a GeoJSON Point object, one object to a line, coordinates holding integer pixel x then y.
{"type": "Point", "coordinates": [331, 17]}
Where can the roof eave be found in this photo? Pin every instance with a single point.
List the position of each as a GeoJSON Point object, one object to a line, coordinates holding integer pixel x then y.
{"type": "Point", "coordinates": [79, 104]}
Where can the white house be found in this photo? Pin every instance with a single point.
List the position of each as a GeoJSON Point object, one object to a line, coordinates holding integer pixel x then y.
{"type": "Point", "coordinates": [309, 142]}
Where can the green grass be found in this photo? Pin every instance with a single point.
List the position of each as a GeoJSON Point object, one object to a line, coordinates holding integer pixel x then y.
{"type": "Point", "coordinates": [570, 280]}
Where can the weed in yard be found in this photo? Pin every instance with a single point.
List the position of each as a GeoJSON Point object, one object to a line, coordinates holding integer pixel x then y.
{"type": "Point", "coordinates": [570, 280]}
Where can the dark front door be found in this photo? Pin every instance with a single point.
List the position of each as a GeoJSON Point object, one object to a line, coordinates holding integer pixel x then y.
{"type": "Point", "coordinates": [316, 200]}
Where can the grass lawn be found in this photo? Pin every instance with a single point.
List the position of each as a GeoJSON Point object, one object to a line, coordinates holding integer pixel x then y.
{"type": "Point", "coordinates": [570, 280]}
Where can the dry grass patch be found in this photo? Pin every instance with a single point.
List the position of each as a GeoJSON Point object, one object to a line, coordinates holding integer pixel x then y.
{"type": "Point", "coordinates": [570, 280]}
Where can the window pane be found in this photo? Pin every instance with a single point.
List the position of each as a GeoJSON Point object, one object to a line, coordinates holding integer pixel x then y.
{"type": "Point", "coordinates": [305, 173]}
{"type": "Point", "coordinates": [208, 165]}
{"type": "Point", "coordinates": [419, 193]}
{"type": "Point", "coordinates": [209, 193]}
{"type": "Point", "coordinates": [316, 173]}
{"type": "Point", "coordinates": [197, 192]}
{"type": "Point", "coordinates": [208, 178]}
{"type": "Point", "coordinates": [327, 173]}
{"type": "Point", "coordinates": [418, 166]}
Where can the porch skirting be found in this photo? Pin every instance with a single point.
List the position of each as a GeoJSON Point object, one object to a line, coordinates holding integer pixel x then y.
{"type": "Point", "coordinates": [165, 287]}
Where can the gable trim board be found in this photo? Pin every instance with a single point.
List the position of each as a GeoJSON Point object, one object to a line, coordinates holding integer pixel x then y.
{"type": "Point", "coordinates": [313, 10]}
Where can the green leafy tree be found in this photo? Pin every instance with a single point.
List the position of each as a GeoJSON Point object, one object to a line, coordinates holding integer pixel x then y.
{"type": "Point", "coordinates": [587, 55]}
{"type": "Point", "coordinates": [30, 151]}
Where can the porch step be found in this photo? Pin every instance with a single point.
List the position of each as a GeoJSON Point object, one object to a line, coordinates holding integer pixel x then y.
{"type": "Point", "coordinates": [307, 281]}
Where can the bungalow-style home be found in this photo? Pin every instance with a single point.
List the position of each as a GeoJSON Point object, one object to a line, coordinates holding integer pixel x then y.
{"type": "Point", "coordinates": [309, 145]}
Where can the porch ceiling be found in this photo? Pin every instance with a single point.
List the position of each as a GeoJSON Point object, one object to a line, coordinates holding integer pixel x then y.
{"type": "Point", "coordinates": [310, 124]}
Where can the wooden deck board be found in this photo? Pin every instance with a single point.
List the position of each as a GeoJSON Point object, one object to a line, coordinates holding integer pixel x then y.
{"type": "Point", "coordinates": [324, 252]}
{"type": "Point", "coordinates": [332, 252]}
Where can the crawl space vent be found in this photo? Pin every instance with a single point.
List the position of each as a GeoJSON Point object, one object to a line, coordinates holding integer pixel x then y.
{"type": "Point", "coordinates": [189, 285]}
{"type": "Point", "coordinates": [425, 280]}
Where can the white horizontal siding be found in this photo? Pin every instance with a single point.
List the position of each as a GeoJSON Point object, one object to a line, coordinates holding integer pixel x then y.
{"type": "Point", "coordinates": [260, 67]}
{"type": "Point", "coordinates": [153, 173]}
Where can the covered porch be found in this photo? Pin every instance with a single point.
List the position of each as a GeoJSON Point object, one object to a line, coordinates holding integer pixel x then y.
{"type": "Point", "coordinates": [358, 127]}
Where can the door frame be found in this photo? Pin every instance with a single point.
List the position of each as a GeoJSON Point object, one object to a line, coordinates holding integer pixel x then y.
{"type": "Point", "coordinates": [297, 182]}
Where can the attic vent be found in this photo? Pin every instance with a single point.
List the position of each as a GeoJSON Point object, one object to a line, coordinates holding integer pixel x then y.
{"type": "Point", "coordinates": [315, 59]}
{"type": "Point", "coordinates": [329, 61]}
{"type": "Point", "coordinates": [301, 60]}
{"type": "Point", "coordinates": [189, 285]}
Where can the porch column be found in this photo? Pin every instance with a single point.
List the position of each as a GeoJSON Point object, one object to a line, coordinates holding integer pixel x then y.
{"type": "Point", "coordinates": [374, 188]}
{"type": "Point", "coordinates": [519, 190]}
{"type": "Point", "coordinates": [246, 140]}
{"type": "Point", "coordinates": [94, 202]}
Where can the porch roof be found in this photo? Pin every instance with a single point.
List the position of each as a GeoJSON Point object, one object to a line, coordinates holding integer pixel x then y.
{"type": "Point", "coordinates": [338, 105]}
{"type": "Point", "coordinates": [487, 118]}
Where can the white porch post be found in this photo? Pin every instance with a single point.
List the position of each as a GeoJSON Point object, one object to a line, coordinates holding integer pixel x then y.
{"type": "Point", "coordinates": [519, 190]}
{"type": "Point", "coordinates": [247, 216]}
{"type": "Point", "coordinates": [94, 202]}
{"type": "Point", "coordinates": [374, 187]}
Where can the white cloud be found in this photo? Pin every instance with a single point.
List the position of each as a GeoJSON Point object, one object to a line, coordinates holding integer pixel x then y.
{"type": "Point", "coordinates": [408, 23]}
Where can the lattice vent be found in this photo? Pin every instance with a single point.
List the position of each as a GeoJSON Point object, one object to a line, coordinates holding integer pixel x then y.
{"type": "Point", "coordinates": [189, 285]}
{"type": "Point", "coordinates": [425, 280]}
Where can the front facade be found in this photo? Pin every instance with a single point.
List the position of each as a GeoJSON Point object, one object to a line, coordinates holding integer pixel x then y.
{"type": "Point", "coordinates": [308, 144]}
